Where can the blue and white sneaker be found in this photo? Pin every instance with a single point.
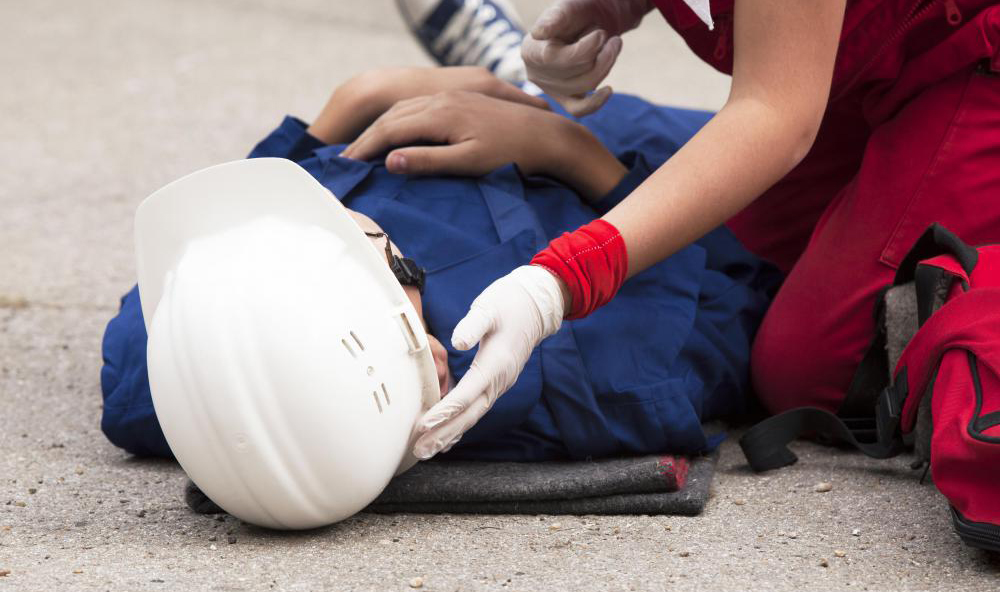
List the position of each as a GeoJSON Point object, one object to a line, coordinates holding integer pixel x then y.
{"type": "Point", "coordinates": [484, 33]}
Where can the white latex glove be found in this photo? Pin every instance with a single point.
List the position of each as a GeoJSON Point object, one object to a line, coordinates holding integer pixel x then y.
{"type": "Point", "coordinates": [573, 46]}
{"type": "Point", "coordinates": [512, 316]}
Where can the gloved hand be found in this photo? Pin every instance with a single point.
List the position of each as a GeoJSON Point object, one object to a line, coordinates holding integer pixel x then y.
{"type": "Point", "coordinates": [573, 46]}
{"type": "Point", "coordinates": [510, 317]}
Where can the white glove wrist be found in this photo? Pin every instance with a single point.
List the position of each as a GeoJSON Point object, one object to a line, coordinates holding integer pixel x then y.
{"type": "Point", "coordinates": [543, 287]}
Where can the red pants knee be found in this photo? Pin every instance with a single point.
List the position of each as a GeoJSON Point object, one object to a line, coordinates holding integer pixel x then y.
{"type": "Point", "coordinates": [935, 160]}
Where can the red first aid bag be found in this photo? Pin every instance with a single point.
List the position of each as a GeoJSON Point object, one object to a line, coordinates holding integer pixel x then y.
{"type": "Point", "coordinates": [949, 373]}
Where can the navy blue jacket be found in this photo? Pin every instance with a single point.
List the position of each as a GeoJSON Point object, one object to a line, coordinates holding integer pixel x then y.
{"type": "Point", "coordinates": [638, 376]}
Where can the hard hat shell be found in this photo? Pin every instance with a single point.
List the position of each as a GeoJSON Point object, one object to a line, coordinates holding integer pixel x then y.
{"type": "Point", "coordinates": [286, 364]}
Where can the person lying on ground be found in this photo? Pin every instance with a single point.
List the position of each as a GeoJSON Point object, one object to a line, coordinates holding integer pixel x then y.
{"type": "Point", "coordinates": [639, 376]}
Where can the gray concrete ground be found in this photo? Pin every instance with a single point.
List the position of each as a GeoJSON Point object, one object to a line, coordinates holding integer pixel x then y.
{"type": "Point", "coordinates": [104, 102]}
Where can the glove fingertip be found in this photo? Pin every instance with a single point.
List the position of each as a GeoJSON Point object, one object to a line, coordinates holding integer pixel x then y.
{"type": "Point", "coordinates": [610, 51]}
{"type": "Point", "coordinates": [425, 448]}
{"type": "Point", "coordinates": [435, 442]}
{"type": "Point", "coordinates": [592, 102]}
{"type": "Point", "coordinates": [470, 329]}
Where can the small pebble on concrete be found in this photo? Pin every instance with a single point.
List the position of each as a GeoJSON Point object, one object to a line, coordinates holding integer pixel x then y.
{"type": "Point", "coordinates": [823, 487]}
{"type": "Point", "coordinates": [839, 553]}
{"type": "Point", "coordinates": [555, 526]}
{"type": "Point", "coordinates": [417, 582]}
{"type": "Point", "coordinates": [4, 573]}
{"type": "Point", "coordinates": [824, 563]}
{"type": "Point", "coordinates": [856, 532]}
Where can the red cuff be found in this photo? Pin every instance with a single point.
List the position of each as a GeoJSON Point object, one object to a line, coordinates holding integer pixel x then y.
{"type": "Point", "coordinates": [592, 261]}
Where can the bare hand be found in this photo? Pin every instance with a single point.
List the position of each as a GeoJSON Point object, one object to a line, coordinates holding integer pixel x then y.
{"type": "Point", "coordinates": [477, 133]}
{"type": "Point", "coordinates": [360, 101]}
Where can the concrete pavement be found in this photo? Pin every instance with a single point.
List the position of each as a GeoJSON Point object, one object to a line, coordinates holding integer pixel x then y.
{"type": "Point", "coordinates": [105, 102]}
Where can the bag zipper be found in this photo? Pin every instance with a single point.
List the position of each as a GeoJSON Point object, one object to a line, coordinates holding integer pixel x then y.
{"type": "Point", "coordinates": [976, 534]}
{"type": "Point", "coordinates": [974, 428]}
{"type": "Point", "coordinates": [919, 10]}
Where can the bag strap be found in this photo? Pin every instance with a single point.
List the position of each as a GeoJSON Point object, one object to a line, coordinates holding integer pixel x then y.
{"type": "Point", "coordinates": [872, 374]}
{"type": "Point", "coordinates": [765, 445]}
{"type": "Point", "coordinates": [936, 240]}
{"type": "Point", "coordinates": [962, 323]}
{"type": "Point", "coordinates": [970, 321]}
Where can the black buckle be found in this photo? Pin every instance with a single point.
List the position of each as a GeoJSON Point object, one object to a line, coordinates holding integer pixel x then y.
{"type": "Point", "coordinates": [864, 429]}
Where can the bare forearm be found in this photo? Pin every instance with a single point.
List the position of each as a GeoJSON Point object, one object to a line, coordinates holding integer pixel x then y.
{"type": "Point", "coordinates": [783, 63]}
{"type": "Point", "coordinates": [741, 152]}
{"type": "Point", "coordinates": [351, 107]}
{"type": "Point", "coordinates": [582, 162]}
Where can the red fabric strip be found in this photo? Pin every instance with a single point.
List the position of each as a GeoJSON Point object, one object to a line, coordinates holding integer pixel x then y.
{"type": "Point", "coordinates": [592, 261]}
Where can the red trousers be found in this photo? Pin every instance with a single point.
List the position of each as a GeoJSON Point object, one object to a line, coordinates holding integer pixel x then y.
{"type": "Point", "coordinates": [911, 136]}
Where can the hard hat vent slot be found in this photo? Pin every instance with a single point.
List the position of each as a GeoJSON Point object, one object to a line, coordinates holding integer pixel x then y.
{"type": "Point", "coordinates": [378, 402]}
{"type": "Point", "coordinates": [358, 341]}
{"type": "Point", "coordinates": [408, 333]}
{"type": "Point", "coordinates": [349, 349]}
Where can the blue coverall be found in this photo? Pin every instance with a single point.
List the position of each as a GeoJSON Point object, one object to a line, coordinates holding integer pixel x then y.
{"type": "Point", "coordinates": [639, 376]}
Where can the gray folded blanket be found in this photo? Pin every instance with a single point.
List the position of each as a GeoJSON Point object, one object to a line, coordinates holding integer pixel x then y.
{"type": "Point", "coordinates": [660, 484]}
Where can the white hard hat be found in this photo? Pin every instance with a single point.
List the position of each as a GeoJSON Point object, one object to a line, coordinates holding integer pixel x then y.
{"type": "Point", "coordinates": [286, 364]}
